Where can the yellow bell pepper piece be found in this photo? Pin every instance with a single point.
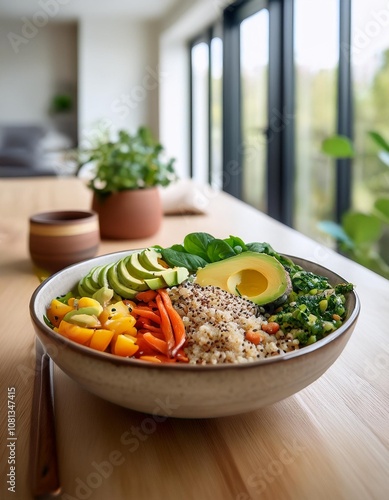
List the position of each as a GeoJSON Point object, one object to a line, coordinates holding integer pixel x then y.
{"type": "Point", "coordinates": [78, 334]}
{"type": "Point", "coordinates": [114, 311]}
{"type": "Point", "coordinates": [101, 339]}
{"type": "Point", "coordinates": [57, 311]}
{"type": "Point", "coordinates": [124, 324]}
{"type": "Point", "coordinates": [72, 302]}
{"type": "Point", "coordinates": [124, 345]}
{"type": "Point", "coordinates": [89, 302]}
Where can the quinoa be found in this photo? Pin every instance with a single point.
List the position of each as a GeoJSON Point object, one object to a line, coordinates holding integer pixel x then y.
{"type": "Point", "coordinates": [216, 323]}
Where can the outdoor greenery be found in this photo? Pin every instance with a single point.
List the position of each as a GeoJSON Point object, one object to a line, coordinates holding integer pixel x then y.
{"type": "Point", "coordinates": [131, 161]}
{"type": "Point", "coordinates": [362, 236]}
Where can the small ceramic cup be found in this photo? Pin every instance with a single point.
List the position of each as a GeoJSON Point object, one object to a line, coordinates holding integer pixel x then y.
{"type": "Point", "coordinates": [60, 238]}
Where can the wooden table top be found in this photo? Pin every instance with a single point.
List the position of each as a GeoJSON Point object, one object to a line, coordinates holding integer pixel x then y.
{"type": "Point", "coordinates": [328, 441]}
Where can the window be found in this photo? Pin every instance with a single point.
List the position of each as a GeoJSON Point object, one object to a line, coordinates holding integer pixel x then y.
{"type": "Point", "coordinates": [316, 51]}
{"type": "Point", "coordinates": [370, 67]}
{"type": "Point", "coordinates": [216, 167]}
{"type": "Point", "coordinates": [206, 70]}
{"type": "Point", "coordinates": [200, 100]}
{"type": "Point", "coordinates": [254, 58]}
{"type": "Point", "coordinates": [287, 68]}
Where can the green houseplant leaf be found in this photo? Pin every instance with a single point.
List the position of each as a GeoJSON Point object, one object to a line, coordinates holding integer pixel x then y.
{"type": "Point", "coordinates": [381, 209]}
{"type": "Point", "coordinates": [379, 140]}
{"type": "Point", "coordinates": [131, 161]}
{"type": "Point", "coordinates": [363, 229]}
{"type": "Point", "coordinates": [338, 146]}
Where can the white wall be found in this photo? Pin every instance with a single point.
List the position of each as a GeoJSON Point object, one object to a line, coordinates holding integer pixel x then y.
{"type": "Point", "coordinates": [33, 71]}
{"type": "Point", "coordinates": [118, 66]}
{"type": "Point", "coordinates": [183, 23]}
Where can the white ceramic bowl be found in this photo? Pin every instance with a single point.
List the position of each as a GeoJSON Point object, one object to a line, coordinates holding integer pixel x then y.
{"type": "Point", "coordinates": [181, 390]}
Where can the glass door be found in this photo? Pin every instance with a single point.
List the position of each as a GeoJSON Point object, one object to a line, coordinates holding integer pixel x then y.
{"type": "Point", "coordinates": [254, 62]}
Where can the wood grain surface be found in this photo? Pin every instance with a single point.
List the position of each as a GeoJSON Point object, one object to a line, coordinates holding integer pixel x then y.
{"type": "Point", "coordinates": [330, 440]}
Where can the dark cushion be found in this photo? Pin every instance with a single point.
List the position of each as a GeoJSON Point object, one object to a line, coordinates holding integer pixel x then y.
{"type": "Point", "coordinates": [25, 172]}
{"type": "Point", "coordinates": [26, 137]}
{"type": "Point", "coordinates": [17, 157]}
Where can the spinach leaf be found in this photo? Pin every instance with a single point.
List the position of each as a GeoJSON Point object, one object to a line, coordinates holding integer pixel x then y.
{"type": "Point", "coordinates": [178, 248]}
{"type": "Point", "coordinates": [268, 249]}
{"type": "Point", "coordinates": [219, 250]}
{"type": "Point", "coordinates": [183, 259]}
{"type": "Point", "coordinates": [261, 248]}
{"type": "Point", "coordinates": [235, 241]}
{"type": "Point", "coordinates": [197, 243]}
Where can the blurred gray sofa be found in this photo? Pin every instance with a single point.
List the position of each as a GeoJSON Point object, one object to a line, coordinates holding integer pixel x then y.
{"type": "Point", "coordinates": [21, 153]}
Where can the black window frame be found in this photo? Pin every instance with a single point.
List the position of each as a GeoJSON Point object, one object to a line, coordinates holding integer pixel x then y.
{"type": "Point", "coordinates": [281, 107]}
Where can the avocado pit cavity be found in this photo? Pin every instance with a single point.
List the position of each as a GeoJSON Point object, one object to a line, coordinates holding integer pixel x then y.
{"type": "Point", "coordinates": [248, 283]}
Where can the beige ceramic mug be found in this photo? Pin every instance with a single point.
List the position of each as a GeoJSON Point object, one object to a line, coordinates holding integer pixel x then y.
{"type": "Point", "coordinates": [60, 238]}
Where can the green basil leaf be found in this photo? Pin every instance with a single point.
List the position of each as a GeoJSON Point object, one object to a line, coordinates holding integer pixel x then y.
{"type": "Point", "coordinates": [260, 248]}
{"type": "Point", "coordinates": [235, 241]}
{"type": "Point", "coordinates": [178, 248]}
{"type": "Point", "coordinates": [219, 250]}
{"type": "Point", "coordinates": [183, 259]}
{"type": "Point", "coordinates": [197, 244]}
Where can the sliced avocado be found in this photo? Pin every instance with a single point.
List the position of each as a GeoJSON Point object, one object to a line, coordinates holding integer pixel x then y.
{"type": "Point", "coordinates": [136, 269]}
{"type": "Point", "coordinates": [169, 276]}
{"type": "Point", "coordinates": [86, 286]}
{"type": "Point", "coordinates": [127, 279]}
{"type": "Point", "coordinates": [93, 277]}
{"type": "Point", "coordinates": [182, 274]}
{"type": "Point", "coordinates": [81, 291]}
{"type": "Point", "coordinates": [254, 276]}
{"type": "Point", "coordinates": [114, 283]}
{"type": "Point", "coordinates": [174, 276]}
{"type": "Point", "coordinates": [103, 295]}
{"type": "Point", "coordinates": [102, 276]}
{"type": "Point", "coordinates": [156, 283]}
{"type": "Point", "coordinates": [85, 320]}
{"type": "Point", "coordinates": [149, 259]}
{"type": "Point", "coordinates": [89, 311]}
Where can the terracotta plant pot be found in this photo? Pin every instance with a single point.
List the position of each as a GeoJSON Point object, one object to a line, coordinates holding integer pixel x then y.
{"type": "Point", "coordinates": [131, 214]}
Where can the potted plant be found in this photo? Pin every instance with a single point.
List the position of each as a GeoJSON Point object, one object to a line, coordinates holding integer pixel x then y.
{"type": "Point", "coordinates": [363, 236]}
{"type": "Point", "coordinates": [126, 173]}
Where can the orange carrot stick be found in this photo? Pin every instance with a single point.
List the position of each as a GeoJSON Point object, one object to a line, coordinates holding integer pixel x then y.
{"type": "Point", "coordinates": [181, 356]}
{"type": "Point", "coordinates": [153, 359]}
{"type": "Point", "coordinates": [176, 321]}
{"type": "Point", "coordinates": [166, 325]}
{"type": "Point", "coordinates": [151, 328]}
{"type": "Point", "coordinates": [146, 313]}
{"type": "Point", "coordinates": [158, 335]}
{"type": "Point", "coordinates": [146, 296]}
{"type": "Point", "coordinates": [159, 345]}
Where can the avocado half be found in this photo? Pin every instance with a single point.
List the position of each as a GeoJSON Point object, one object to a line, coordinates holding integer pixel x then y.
{"type": "Point", "coordinates": [254, 276]}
